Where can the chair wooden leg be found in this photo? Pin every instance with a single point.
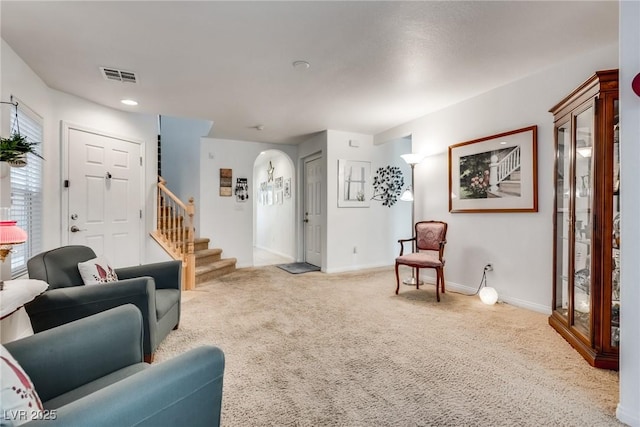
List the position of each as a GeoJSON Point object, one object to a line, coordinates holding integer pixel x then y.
{"type": "Point", "coordinates": [148, 358]}
{"type": "Point", "coordinates": [438, 284]}
{"type": "Point", "coordinates": [397, 280]}
{"type": "Point", "coordinates": [175, 328]}
{"type": "Point", "coordinates": [442, 280]}
{"type": "Point", "coordinates": [417, 278]}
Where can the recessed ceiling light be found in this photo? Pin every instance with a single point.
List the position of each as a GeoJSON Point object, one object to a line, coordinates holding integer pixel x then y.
{"type": "Point", "coordinates": [129, 102]}
{"type": "Point", "coordinates": [301, 65]}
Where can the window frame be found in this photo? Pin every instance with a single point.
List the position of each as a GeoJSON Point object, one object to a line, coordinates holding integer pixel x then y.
{"type": "Point", "coordinates": [26, 188]}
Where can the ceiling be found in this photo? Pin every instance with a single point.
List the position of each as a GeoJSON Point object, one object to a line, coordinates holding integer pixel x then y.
{"type": "Point", "coordinates": [373, 65]}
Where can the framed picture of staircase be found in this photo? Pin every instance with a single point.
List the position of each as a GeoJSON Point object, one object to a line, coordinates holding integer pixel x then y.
{"type": "Point", "coordinates": [497, 173]}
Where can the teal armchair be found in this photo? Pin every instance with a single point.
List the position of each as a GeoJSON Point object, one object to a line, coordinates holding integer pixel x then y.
{"type": "Point", "coordinates": [90, 372]}
{"type": "Point", "coordinates": [153, 288]}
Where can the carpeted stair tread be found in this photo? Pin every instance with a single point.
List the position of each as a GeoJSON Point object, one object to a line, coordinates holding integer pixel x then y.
{"type": "Point", "coordinates": [201, 243]}
{"type": "Point", "coordinates": [216, 265]}
{"type": "Point", "coordinates": [207, 256]}
{"type": "Point", "coordinates": [205, 273]}
{"type": "Point", "coordinates": [208, 252]}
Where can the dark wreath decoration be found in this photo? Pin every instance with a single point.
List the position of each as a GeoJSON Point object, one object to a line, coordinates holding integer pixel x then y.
{"type": "Point", "coordinates": [387, 185]}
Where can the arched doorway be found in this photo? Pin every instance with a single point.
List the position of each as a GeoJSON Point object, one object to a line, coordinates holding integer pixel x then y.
{"type": "Point", "coordinates": [274, 210]}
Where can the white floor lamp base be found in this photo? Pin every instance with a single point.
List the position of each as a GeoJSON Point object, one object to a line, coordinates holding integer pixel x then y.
{"type": "Point", "coordinates": [411, 281]}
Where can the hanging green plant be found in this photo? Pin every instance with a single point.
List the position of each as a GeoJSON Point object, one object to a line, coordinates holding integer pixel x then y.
{"type": "Point", "coordinates": [14, 149]}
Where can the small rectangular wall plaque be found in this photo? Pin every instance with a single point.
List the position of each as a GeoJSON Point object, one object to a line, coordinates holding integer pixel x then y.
{"type": "Point", "coordinates": [225, 182]}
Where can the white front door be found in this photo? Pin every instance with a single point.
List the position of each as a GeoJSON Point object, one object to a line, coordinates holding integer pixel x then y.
{"type": "Point", "coordinates": [313, 211]}
{"type": "Point", "coordinates": [104, 195]}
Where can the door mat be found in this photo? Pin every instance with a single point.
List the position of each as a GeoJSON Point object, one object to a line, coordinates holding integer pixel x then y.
{"type": "Point", "coordinates": [298, 267]}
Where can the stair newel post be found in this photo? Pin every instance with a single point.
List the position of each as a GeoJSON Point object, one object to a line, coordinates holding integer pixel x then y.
{"type": "Point", "coordinates": [190, 249]}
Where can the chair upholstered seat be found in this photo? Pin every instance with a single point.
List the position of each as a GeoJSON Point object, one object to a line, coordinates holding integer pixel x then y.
{"type": "Point", "coordinates": [420, 260]}
{"type": "Point", "coordinates": [166, 299]}
{"type": "Point", "coordinates": [428, 252]}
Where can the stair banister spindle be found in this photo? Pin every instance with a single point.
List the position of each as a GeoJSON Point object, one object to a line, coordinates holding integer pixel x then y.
{"type": "Point", "coordinates": [174, 230]}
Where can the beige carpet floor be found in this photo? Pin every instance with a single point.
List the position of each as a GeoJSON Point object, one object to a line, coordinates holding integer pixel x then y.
{"type": "Point", "coordinates": [321, 349]}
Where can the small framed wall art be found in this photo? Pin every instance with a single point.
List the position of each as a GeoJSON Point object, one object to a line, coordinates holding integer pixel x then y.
{"type": "Point", "coordinates": [226, 176]}
{"type": "Point", "coordinates": [242, 190]}
{"type": "Point", "coordinates": [354, 184]}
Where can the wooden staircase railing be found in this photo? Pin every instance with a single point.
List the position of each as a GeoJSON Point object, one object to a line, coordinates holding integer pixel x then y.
{"type": "Point", "coordinates": [175, 233]}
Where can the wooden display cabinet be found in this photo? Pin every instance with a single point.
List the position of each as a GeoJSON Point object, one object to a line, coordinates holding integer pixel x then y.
{"type": "Point", "coordinates": [586, 273]}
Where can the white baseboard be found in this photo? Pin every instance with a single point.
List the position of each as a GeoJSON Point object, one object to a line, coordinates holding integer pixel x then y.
{"type": "Point", "coordinates": [276, 252]}
{"type": "Point", "coordinates": [528, 305]}
{"type": "Point", "coordinates": [631, 418]}
{"type": "Point", "coordinates": [356, 268]}
{"type": "Point", "coordinates": [502, 298]}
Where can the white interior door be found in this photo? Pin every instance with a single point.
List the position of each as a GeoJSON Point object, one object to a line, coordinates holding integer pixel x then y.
{"type": "Point", "coordinates": [313, 212]}
{"type": "Point", "coordinates": [104, 195]}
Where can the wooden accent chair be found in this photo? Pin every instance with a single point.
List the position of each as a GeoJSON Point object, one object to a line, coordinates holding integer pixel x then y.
{"type": "Point", "coordinates": [429, 239]}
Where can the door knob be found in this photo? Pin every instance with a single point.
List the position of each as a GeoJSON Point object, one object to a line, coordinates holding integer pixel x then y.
{"type": "Point", "coordinates": [75, 229]}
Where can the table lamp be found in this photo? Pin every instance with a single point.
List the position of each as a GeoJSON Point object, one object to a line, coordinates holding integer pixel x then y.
{"type": "Point", "coordinates": [10, 234]}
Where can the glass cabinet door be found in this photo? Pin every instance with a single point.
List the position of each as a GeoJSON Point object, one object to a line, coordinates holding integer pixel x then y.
{"type": "Point", "coordinates": [583, 221]}
{"type": "Point", "coordinates": [586, 247]}
{"type": "Point", "coordinates": [615, 243]}
{"type": "Point", "coordinates": [563, 217]}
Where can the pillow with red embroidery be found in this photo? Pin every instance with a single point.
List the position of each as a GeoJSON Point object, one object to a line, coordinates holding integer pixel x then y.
{"type": "Point", "coordinates": [20, 402]}
{"type": "Point", "coordinates": [97, 271]}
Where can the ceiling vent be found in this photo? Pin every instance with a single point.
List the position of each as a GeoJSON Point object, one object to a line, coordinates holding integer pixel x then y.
{"type": "Point", "coordinates": [119, 75]}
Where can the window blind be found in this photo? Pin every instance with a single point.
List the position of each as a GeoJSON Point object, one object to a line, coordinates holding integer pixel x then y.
{"type": "Point", "coordinates": [26, 191]}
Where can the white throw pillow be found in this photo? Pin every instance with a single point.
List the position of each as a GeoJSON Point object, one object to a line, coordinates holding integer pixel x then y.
{"type": "Point", "coordinates": [97, 271]}
{"type": "Point", "coordinates": [20, 402]}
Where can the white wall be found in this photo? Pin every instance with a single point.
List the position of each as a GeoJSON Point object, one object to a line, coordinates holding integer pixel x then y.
{"type": "Point", "coordinates": [274, 224]}
{"type": "Point", "coordinates": [227, 223]}
{"type": "Point", "coordinates": [519, 245]}
{"type": "Point", "coordinates": [180, 157]}
{"type": "Point", "coordinates": [372, 231]}
{"type": "Point", "coordinates": [54, 106]}
{"type": "Point", "coordinates": [629, 407]}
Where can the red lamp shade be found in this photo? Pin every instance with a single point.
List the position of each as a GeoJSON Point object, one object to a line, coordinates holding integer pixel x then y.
{"type": "Point", "coordinates": [11, 234]}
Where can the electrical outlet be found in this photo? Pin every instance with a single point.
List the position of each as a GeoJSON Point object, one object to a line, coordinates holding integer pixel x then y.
{"type": "Point", "coordinates": [488, 267]}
